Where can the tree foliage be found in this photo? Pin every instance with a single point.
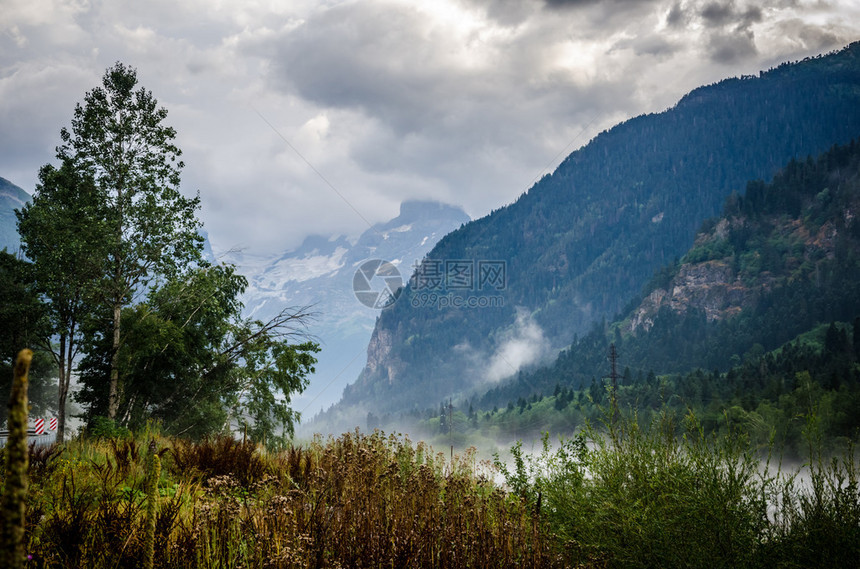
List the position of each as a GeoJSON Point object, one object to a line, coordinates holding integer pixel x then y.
{"type": "Point", "coordinates": [116, 253]}
{"type": "Point", "coordinates": [64, 233]}
{"type": "Point", "coordinates": [118, 139]}
{"type": "Point", "coordinates": [190, 361]}
{"type": "Point", "coordinates": [23, 325]}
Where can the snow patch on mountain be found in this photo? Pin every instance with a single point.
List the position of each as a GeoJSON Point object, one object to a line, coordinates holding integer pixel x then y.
{"type": "Point", "coordinates": [303, 269]}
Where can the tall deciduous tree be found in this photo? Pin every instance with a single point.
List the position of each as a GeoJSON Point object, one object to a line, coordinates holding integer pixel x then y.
{"type": "Point", "coordinates": [190, 361]}
{"type": "Point", "coordinates": [118, 139]}
{"type": "Point", "coordinates": [64, 233]}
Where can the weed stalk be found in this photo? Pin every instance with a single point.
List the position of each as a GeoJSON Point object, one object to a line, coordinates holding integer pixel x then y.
{"type": "Point", "coordinates": [15, 493]}
{"type": "Point", "coordinates": [153, 471]}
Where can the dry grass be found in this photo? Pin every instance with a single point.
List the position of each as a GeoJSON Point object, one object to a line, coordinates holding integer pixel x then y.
{"type": "Point", "coordinates": [356, 501]}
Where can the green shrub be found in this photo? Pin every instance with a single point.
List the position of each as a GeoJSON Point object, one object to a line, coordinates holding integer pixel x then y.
{"type": "Point", "coordinates": [104, 428]}
{"type": "Point", "coordinates": [667, 496]}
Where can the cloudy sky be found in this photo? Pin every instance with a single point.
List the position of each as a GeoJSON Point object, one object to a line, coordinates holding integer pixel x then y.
{"type": "Point", "coordinates": [299, 117]}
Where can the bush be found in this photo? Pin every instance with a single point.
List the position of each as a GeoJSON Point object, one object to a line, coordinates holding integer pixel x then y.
{"type": "Point", "coordinates": [646, 497]}
{"type": "Point", "coordinates": [104, 428]}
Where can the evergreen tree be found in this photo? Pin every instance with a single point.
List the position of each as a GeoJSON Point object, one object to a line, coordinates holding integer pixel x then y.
{"type": "Point", "coordinates": [23, 325]}
{"type": "Point", "coordinates": [64, 233]}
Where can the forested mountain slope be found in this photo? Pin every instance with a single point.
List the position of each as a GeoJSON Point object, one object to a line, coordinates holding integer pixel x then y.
{"type": "Point", "coordinates": [782, 259]}
{"type": "Point", "coordinates": [585, 239]}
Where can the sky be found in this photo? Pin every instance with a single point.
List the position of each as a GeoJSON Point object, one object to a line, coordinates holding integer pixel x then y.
{"type": "Point", "coordinates": [300, 117]}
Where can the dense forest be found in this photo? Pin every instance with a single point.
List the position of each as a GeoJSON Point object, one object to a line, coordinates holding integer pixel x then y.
{"type": "Point", "coordinates": [769, 397]}
{"type": "Point", "coordinates": [581, 243]}
{"type": "Point", "coordinates": [792, 247]}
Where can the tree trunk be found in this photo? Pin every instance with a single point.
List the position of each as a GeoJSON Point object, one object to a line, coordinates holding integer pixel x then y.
{"type": "Point", "coordinates": [63, 390]}
{"type": "Point", "coordinates": [113, 396]}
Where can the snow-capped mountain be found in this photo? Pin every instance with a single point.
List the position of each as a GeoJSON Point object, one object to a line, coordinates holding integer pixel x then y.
{"type": "Point", "coordinates": [11, 198]}
{"type": "Point", "coordinates": [321, 273]}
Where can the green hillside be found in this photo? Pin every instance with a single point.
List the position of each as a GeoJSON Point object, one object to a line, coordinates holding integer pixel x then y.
{"type": "Point", "coordinates": [582, 242]}
{"type": "Point", "coordinates": [782, 259]}
{"type": "Point", "coordinates": [756, 304]}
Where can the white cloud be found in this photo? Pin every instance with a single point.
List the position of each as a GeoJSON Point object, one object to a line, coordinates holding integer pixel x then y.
{"type": "Point", "coordinates": [525, 344]}
{"type": "Point", "coordinates": [465, 101]}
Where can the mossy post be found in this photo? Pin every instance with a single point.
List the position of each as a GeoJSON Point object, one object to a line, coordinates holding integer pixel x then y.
{"type": "Point", "coordinates": [12, 552]}
{"type": "Point", "coordinates": [153, 472]}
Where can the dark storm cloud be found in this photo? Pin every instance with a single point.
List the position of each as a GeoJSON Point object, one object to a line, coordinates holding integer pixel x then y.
{"type": "Point", "coordinates": [731, 48]}
{"type": "Point", "coordinates": [653, 44]}
{"type": "Point", "coordinates": [382, 61]}
{"type": "Point", "coordinates": [816, 38]}
{"type": "Point", "coordinates": [507, 12]}
{"type": "Point", "coordinates": [720, 14]}
{"type": "Point", "coordinates": [714, 14]}
{"type": "Point", "coordinates": [728, 27]}
{"type": "Point", "coordinates": [676, 16]}
{"type": "Point", "coordinates": [452, 107]}
{"type": "Point", "coordinates": [569, 3]}
{"type": "Point", "coordinates": [605, 16]}
{"type": "Point", "coordinates": [389, 64]}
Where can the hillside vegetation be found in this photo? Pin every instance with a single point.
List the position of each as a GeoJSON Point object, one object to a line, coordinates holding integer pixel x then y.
{"type": "Point", "coordinates": [757, 326]}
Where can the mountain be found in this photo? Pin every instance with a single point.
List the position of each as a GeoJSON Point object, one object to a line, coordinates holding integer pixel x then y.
{"type": "Point", "coordinates": [782, 258]}
{"type": "Point", "coordinates": [320, 274]}
{"type": "Point", "coordinates": [582, 241]}
{"type": "Point", "coordinates": [11, 198]}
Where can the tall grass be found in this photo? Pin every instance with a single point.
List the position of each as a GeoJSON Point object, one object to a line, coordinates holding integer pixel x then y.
{"type": "Point", "coordinates": [15, 481]}
{"type": "Point", "coordinates": [355, 501]}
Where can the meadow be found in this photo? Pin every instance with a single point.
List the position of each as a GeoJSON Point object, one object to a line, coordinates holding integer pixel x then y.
{"type": "Point", "coordinates": [662, 494]}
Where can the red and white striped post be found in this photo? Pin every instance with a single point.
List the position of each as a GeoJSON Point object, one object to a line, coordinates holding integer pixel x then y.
{"type": "Point", "coordinates": [40, 426]}
{"type": "Point", "coordinates": [52, 423]}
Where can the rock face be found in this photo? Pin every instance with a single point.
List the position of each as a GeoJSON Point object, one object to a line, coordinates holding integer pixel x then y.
{"type": "Point", "coordinates": [377, 354]}
{"type": "Point", "coordinates": [722, 285]}
{"type": "Point", "coordinates": [712, 287]}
